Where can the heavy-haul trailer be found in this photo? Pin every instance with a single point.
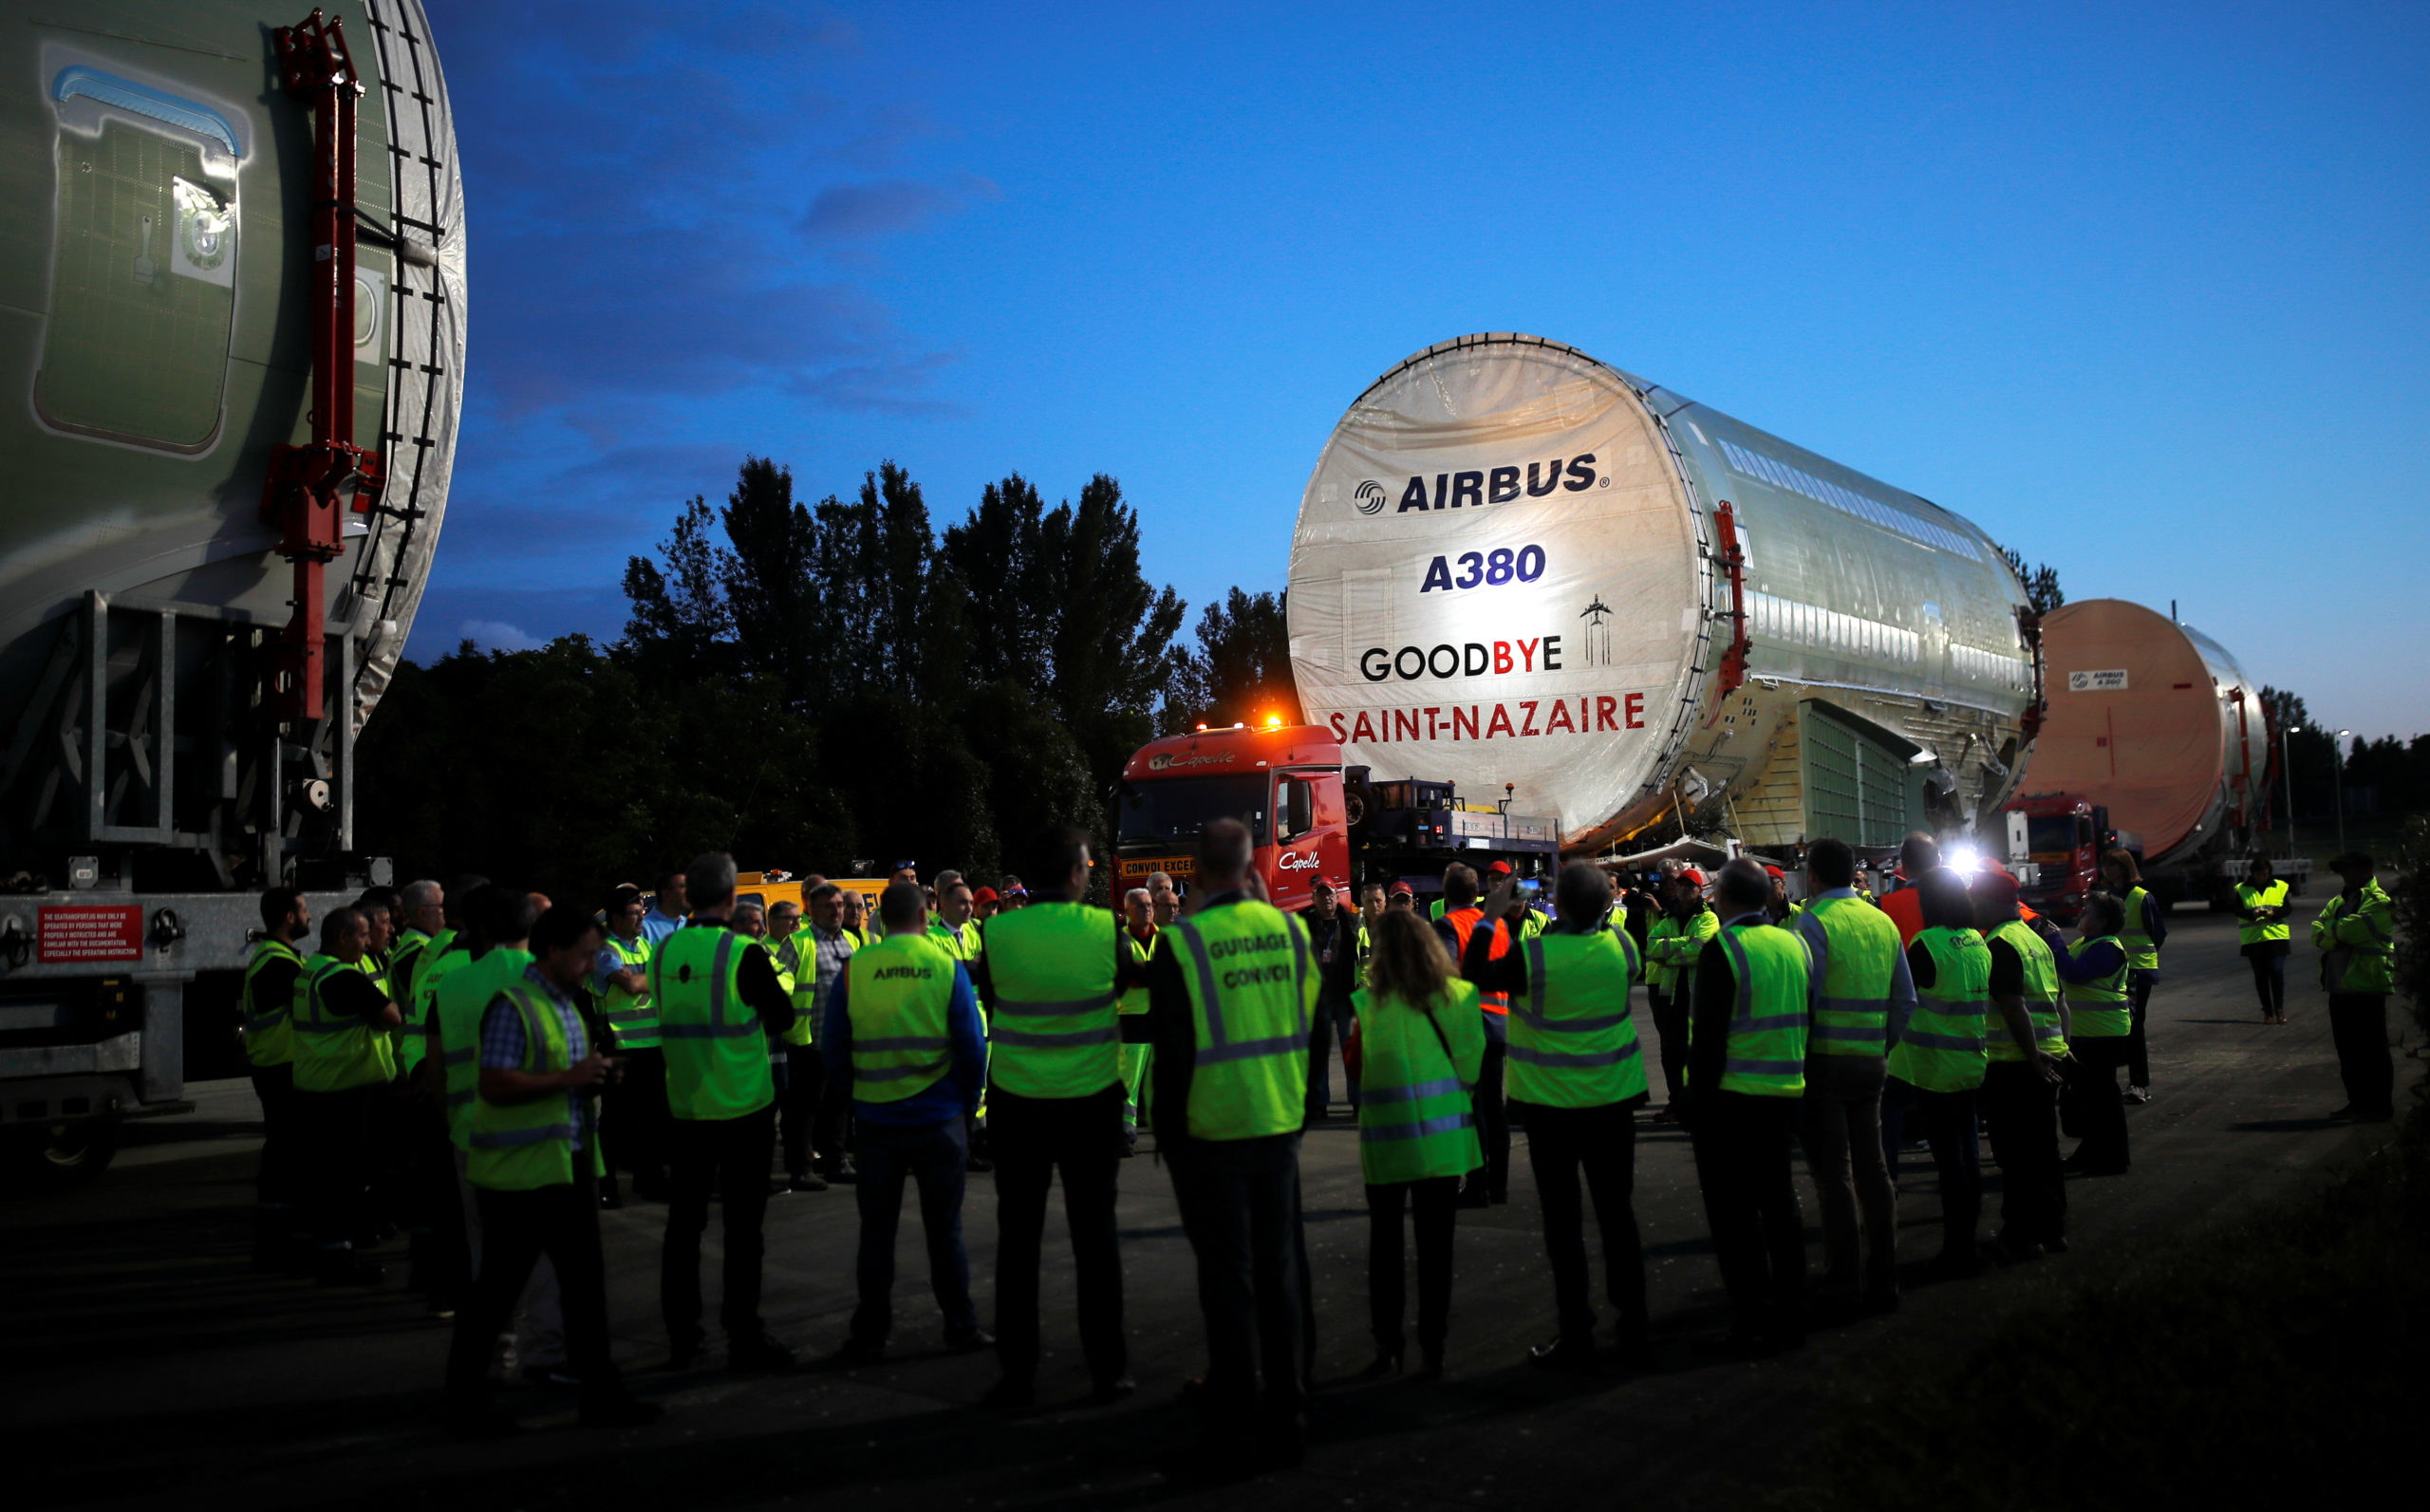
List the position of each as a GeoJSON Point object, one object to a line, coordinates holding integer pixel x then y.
{"type": "Point", "coordinates": [233, 316]}
{"type": "Point", "coordinates": [1313, 821]}
{"type": "Point", "coordinates": [1519, 569]}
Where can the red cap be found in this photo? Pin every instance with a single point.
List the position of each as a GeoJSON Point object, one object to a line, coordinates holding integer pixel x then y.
{"type": "Point", "coordinates": [1693, 877]}
{"type": "Point", "coordinates": [1401, 889]}
{"type": "Point", "coordinates": [984, 895]}
{"type": "Point", "coordinates": [1996, 885]}
{"type": "Point", "coordinates": [1500, 869]}
{"type": "Point", "coordinates": [1771, 871]}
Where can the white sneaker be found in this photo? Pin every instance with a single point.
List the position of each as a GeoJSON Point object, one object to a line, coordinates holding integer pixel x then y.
{"type": "Point", "coordinates": [2139, 1095]}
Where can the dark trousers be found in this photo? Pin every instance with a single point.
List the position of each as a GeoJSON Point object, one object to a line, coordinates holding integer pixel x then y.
{"type": "Point", "coordinates": [2021, 1113]}
{"type": "Point", "coordinates": [276, 1184]}
{"type": "Point", "coordinates": [2358, 1023]}
{"type": "Point", "coordinates": [1034, 1138]}
{"type": "Point", "coordinates": [801, 1088]}
{"type": "Point", "coordinates": [634, 1124]}
{"type": "Point", "coordinates": [1741, 1147]}
{"type": "Point", "coordinates": [2092, 1092]}
{"type": "Point", "coordinates": [1240, 1203]}
{"type": "Point", "coordinates": [1838, 1122]}
{"type": "Point", "coordinates": [1493, 1121]}
{"type": "Point", "coordinates": [1601, 1143]}
{"type": "Point", "coordinates": [393, 1194]}
{"type": "Point", "coordinates": [1949, 1126]}
{"type": "Point", "coordinates": [2138, 999]}
{"type": "Point", "coordinates": [1671, 1025]}
{"type": "Point", "coordinates": [1434, 1207]}
{"type": "Point", "coordinates": [732, 1156]}
{"type": "Point", "coordinates": [933, 1155]}
{"type": "Point", "coordinates": [334, 1133]}
{"type": "Point", "coordinates": [441, 1253]}
{"type": "Point", "coordinates": [1332, 1019]}
{"type": "Point", "coordinates": [517, 1229]}
{"type": "Point", "coordinates": [2270, 981]}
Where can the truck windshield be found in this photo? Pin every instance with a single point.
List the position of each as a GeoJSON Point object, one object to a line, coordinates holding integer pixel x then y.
{"type": "Point", "coordinates": [2052, 834]}
{"type": "Point", "coordinates": [1176, 808]}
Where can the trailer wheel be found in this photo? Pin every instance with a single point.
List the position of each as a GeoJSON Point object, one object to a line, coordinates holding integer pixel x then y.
{"type": "Point", "coordinates": [1358, 802]}
{"type": "Point", "coordinates": [53, 1157]}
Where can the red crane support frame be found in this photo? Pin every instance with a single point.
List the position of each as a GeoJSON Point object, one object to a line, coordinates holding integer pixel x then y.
{"type": "Point", "coordinates": [1734, 661]}
{"type": "Point", "coordinates": [306, 483]}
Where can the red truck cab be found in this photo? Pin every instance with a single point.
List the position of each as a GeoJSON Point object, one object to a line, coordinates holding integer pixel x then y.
{"type": "Point", "coordinates": [2054, 847]}
{"type": "Point", "coordinates": [1282, 780]}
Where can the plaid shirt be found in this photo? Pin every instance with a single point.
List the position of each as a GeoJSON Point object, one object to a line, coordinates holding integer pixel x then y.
{"type": "Point", "coordinates": [832, 952]}
{"type": "Point", "coordinates": [503, 1044]}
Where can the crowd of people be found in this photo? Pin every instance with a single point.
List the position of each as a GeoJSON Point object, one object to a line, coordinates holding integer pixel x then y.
{"type": "Point", "coordinates": [483, 1069]}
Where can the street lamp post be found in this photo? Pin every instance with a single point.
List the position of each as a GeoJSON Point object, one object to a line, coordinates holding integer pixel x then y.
{"type": "Point", "coordinates": [2287, 774]}
{"type": "Point", "coordinates": [2341, 790]}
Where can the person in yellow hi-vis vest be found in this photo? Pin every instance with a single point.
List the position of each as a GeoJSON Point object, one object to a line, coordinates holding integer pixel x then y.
{"type": "Point", "coordinates": [1232, 995]}
{"type": "Point", "coordinates": [1861, 986]}
{"type": "Point", "coordinates": [718, 1006]}
{"type": "Point", "coordinates": [1939, 1055]}
{"type": "Point", "coordinates": [902, 1040]}
{"type": "Point", "coordinates": [268, 1002]}
{"type": "Point", "coordinates": [2028, 1044]}
{"type": "Point", "coordinates": [1139, 928]}
{"type": "Point", "coordinates": [1746, 1072]}
{"type": "Point", "coordinates": [1054, 972]}
{"type": "Point", "coordinates": [1576, 1069]}
{"type": "Point", "coordinates": [534, 1163]}
{"type": "Point", "coordinates": [342, 1060]}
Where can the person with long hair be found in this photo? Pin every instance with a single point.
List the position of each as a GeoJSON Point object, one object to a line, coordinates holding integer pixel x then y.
{"type": "Point", "coordinates": [1421, 1043]}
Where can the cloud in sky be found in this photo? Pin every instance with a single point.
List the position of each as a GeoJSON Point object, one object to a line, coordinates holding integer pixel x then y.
{"type": "Point", "coordinates": [851, 212]}
{"type": "Point", "coordinates": [497, 635]}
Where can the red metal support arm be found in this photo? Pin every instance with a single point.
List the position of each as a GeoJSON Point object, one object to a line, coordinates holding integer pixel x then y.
{"type": "Point", "coordinates": [1733, 561]}
{"type": "Point", "coordinates": [306, 484]}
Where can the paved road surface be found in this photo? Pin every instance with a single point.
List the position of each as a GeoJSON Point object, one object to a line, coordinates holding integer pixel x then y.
{"type": "Point", "coordinates": [139, 1357]}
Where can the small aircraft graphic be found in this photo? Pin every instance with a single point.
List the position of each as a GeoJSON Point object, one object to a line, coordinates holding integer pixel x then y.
{"type": "Point", "coordinates": [1594, 612]}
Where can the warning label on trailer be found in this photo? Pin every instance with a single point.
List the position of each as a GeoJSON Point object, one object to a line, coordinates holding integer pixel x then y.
{"type": "Point", "coordinates": [108, 933]}
{"type": "Point", "coordinates": [2097, 681]}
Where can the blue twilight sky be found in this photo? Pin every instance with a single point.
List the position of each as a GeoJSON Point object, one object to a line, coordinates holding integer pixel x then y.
{"type": "Point", "coordinates": [2144, 290]}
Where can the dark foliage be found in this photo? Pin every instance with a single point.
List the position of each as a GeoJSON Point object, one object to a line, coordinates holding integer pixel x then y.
{"type": "Point", "coordinates": [807, 684]}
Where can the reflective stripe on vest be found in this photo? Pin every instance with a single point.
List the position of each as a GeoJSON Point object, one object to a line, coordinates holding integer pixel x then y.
{"type": "Point", "coordinates": [1765, 1056]}
{"type": "Point", "coordinates": [1943, 1047]}
{"type": "Point", "coordinates": [523, 1146]}
{"type": "Point", "coordinates": [459, 996]}
{"type": "Point", "coordinates": [2249, 898]}
{"type": "Point", "coordinates": [1053, 1033]}
{"type": "Point", "coordinates": [1251, 977]}
{"type": "Point", "coordinates": [2099, 1008]}
{"type": "Point", "coordinates": [632, 1017]}
{"type": "Point", "coordinates": [2141, 954]}
{"type": "Point", "coordinates": [716, 1046]}
{"type": "Point", "coordinates": [900, 994]}
{"type": "Point", "coordinates": [270, 1034]}
{"type": "Point", "coordinates": [1417, 1118]}
{"type": "Point", "coordinates": [1860, 947]}
{"type": "Point", "coordinates": [1136, 1001]}
{"type": "Point", "coordinates": [1571, 1043]}
{"type": "Point", "coordinates": [1672, 949]}
{"type": "Point", "coordinates": [2041, 995]}
{"type": "Point", "coordinates": [333, 1054]}
{"type": "Point", "coordinates": [797, 959]}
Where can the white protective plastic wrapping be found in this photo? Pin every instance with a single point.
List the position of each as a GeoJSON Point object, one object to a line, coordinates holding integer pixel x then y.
{"type": "Point", "coordinates": [1496, 580]}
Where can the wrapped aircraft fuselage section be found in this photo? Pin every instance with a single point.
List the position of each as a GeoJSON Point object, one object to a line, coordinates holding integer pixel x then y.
{"type": "Point", "coordinates": [1510, 570]}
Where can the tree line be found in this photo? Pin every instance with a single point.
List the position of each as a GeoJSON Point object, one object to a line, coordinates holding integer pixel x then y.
{"type": "Point", "coordinates": [815, 684]}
